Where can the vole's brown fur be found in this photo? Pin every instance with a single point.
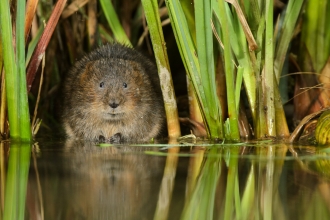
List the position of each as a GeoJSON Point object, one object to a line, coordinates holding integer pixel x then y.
{"type": "Point", "coordinates": [113, 90]}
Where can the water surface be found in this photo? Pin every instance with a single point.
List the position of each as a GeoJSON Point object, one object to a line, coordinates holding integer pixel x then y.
{"type": "Point", "coordinates": [83, 180]}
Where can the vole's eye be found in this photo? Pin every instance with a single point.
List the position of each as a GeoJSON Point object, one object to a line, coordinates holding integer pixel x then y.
{"type": "Point", "coordinates": [102, 85]}
{"type": "Point", "coordinates": [125, 85]}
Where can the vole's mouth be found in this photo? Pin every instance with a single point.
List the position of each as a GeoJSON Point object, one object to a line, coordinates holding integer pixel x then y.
{"type": "Point", "coordinates": [113, 116]}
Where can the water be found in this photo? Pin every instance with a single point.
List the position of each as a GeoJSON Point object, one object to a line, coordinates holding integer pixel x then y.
{"type": "Point", "coordinates": [79, 180]}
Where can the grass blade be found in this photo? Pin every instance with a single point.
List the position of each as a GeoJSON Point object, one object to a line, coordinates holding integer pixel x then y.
{"type": "Point", "coordinates": [39, 52]}
{"type": "Point", "coordinates": [238, 86]}
{"type": "Point", "coordinates": [32, 45]}
{"type": "Point", "coordinates": [268, 72]}
{"type": "Point", "coordinates": [232, 111]}
{"type": "Point", "coordinates": [73, 7]}
{"type": "Point", "coordinates": [204, 39]}
{"type": "Point", "coordinates": [104, 34]}
{"type": "Point", "coordinates": [248, 34]}
{"type": "Point", "coordinates": [206, 96]}
{"type": "Point", "coordinates": [287, 30]}
{"type": "Point", "coordinates": [114, 23]}
{"type": "Point", "coordinates": [187, 51]}
{"type": "Point", "coordinates": [31, 9]}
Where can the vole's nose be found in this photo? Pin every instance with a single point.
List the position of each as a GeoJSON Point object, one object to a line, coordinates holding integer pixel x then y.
{"type": "Point", "coordinates": [114, 105]}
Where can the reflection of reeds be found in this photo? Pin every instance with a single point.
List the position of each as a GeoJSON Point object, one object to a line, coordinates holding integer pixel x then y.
{"type": "Point", "coordinates": [39, 189]}
{"type": "Point", "coordinates": [232, 191]}
{"type": "Point", "coordinates": [167, 185]}
{"type": "Point", "coordinates": [16, 181]}
{"type": "Point", "coordinates": [195, 164]}
{"type": "Point", "coordinates": [248, 197]}
{"type": "Point", "coordinates": [201, 201]}
{"type": "Point", "coordinates": [219, 191]}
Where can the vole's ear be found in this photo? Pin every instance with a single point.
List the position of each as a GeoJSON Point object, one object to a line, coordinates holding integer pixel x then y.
{"type": "Point", "coordinates": [85, 76]}
{"type": "Point", "coordinates": [137, 70]}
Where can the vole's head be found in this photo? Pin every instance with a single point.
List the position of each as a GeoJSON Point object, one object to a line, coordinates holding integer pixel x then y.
{"type": "Point", "coordinates": [115, 88]}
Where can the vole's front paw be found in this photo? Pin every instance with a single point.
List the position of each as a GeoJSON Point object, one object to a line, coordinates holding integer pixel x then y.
{"type": "Point", "coordinates": [116, 138]}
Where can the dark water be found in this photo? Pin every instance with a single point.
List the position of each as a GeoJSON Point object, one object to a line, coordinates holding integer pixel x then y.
{"type": "Point", "coordinates": [77, 180]}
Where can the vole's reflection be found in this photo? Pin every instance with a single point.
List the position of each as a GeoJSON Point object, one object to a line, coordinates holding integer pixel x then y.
{"type": "Point", "coordinates": [85, 181]}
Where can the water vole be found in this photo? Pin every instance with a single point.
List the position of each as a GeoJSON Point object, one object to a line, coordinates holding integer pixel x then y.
{"type": "Point", "coordinates": [112, 93]}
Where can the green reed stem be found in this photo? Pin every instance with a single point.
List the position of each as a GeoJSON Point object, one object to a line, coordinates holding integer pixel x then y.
{"type": "Point", "coordinates": [1, 53]}
{"type": "Point", "coordinates": [232, 111]}
{"type": "Point", "coordinates": [18, 110]}
{"type": "Point", "coordinates": [253, 14]}
{"type": "Point", "coordinates": [187, 50]}
{"type": "Point", "coordinates": [24, 117]}
{"type": "Point", "coordinates": [15, 72]}
{"type": "Point", "coordinates": [268, 79]}
{"type": "Point", "coordinates": [33, 43]}
{"type": "Point", "coordinates": [205, 53]}
{"type": "Point", "coordinates": [189, 13]}
{"type": "Point", "coordinates": [282, 129]}
{"type": "Point", "coordinates": [10, 67]}
{"type": "Point", "coordinates": [240, 49]}
{"type": "Point", "coordinates": [316, 33]}
{"type": "Point", "coordinates": [286, 32]}
{"type": "Point", "coordinates": [158, 43]}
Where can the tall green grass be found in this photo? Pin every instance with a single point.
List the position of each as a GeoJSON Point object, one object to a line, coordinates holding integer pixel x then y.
{"type": "Point", "coordinates": [240, 35]}
{"type": "Point", "coordinates": [21, 68]}
{"type": "Point", "coordinates": [14, 65]}
{"type": "Point", "coordinates": [191, 62]}
{"type": "Point", "coordinates": [233, 131]}
{"type": "Point", "coordinates": [245, 33]}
